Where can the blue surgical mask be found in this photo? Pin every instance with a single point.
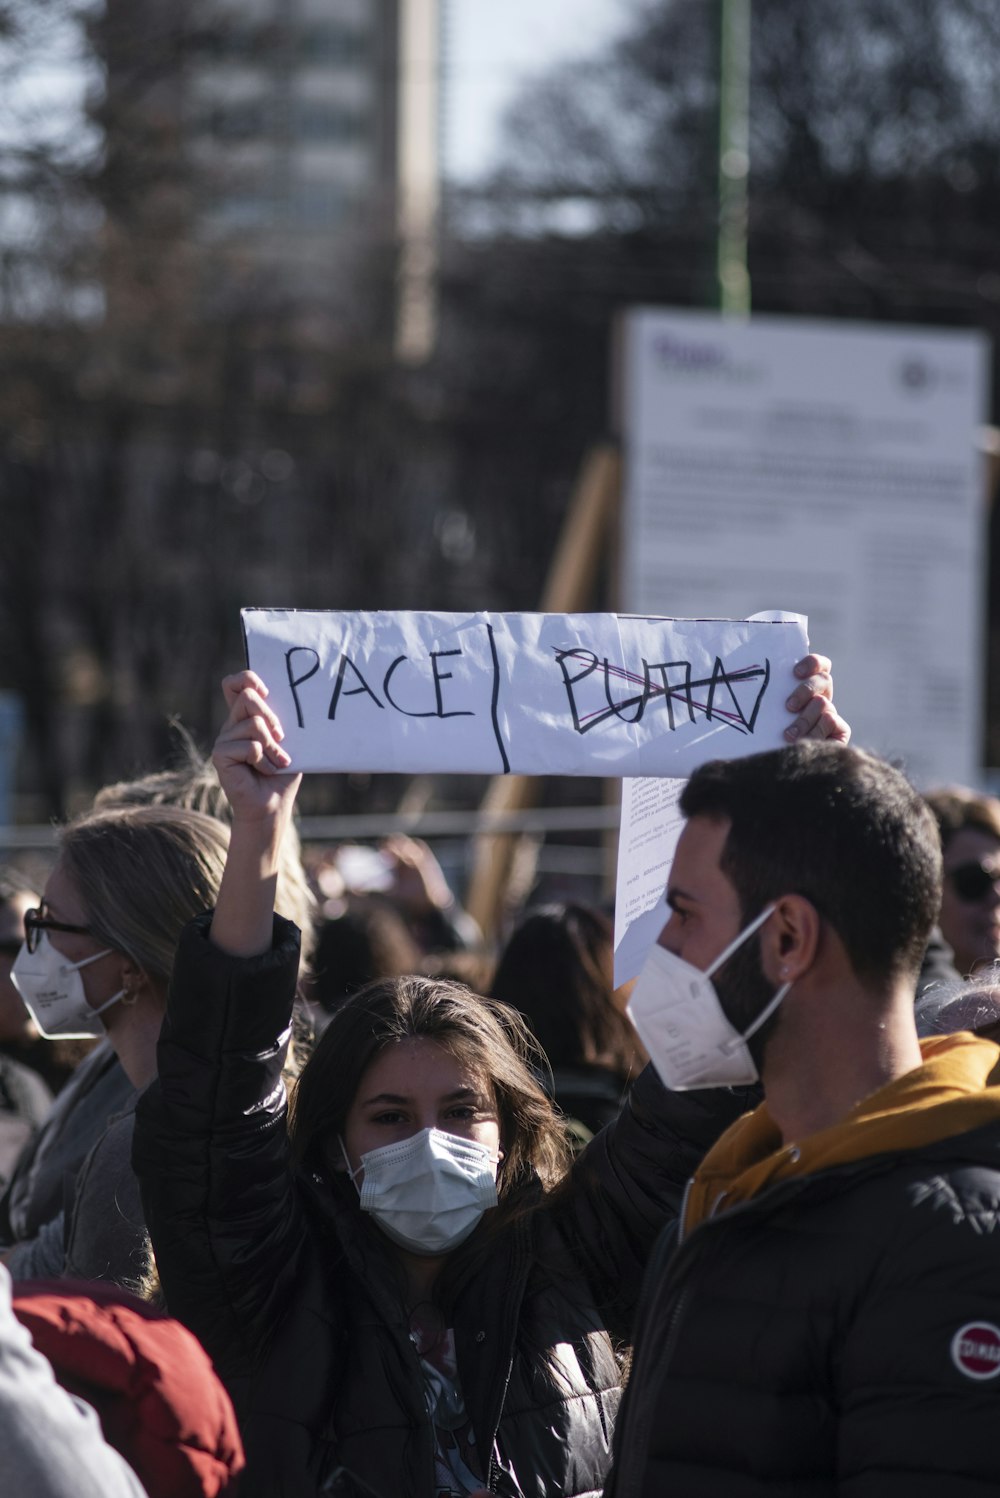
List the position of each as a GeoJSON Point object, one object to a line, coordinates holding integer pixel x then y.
{"type": "Point", "coordinates": [427, 1193]}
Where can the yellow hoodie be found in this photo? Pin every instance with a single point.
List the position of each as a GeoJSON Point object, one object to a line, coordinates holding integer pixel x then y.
{"type": "Point", "coordinates": [948, 1094]}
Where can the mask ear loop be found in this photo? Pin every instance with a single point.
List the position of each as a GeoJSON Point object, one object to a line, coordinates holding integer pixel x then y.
{"type": "Point", "coordinates": [347, 1164]}
{"type": "Point", "coordinates": [738, 941]}
{"type": "Point", "coordinates": [122, 994]}
{"type": "Point", "coordinates": [725, 955]}
{"type": "Point", "coordinates": [764, 1015]}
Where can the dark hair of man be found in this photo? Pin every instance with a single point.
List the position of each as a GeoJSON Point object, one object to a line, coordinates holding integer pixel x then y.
{"type": "Point", "coordinates": [840, 827]}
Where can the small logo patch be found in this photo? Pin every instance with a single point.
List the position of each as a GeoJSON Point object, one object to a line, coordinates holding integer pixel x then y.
{"type": "Point", "coordinates": [975, 1349]}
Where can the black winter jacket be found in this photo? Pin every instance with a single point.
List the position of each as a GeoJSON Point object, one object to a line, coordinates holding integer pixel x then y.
{"type": "Point", "coordinates": [292, 1292]}
{"type": "Point", "coordinates": [837, 1334]}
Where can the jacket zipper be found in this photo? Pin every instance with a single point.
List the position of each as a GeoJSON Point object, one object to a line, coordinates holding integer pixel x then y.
{"type": "Point", "coordinates": [663, 1254]}
{"type": "Point", "coordinates": [493, 1473]}
{"type": "Point", "coordinates": [684, 1207]}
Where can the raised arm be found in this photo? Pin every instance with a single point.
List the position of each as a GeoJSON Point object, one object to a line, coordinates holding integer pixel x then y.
{"type": "Point", "coordinates": [251, 766]}
{"type": "Point", "coordinates": [210, 1145]}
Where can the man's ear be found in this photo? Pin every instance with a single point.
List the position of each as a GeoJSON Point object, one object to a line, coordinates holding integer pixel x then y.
{"type": "Point", "coordinates": [790, 939]}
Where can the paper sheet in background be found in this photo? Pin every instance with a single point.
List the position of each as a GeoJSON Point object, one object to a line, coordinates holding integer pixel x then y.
{"type": "Point", "coordinates": [651, 824]}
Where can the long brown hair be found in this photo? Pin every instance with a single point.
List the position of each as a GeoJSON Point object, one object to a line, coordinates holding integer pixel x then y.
{"type": "Point", "coordinates": [486, 1035]}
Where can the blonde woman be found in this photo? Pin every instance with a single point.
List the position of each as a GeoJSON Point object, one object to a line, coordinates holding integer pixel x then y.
{"type": "Point", "coordinates": [96, 961]}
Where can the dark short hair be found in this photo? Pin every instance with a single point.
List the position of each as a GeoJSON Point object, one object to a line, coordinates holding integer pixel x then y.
{"type": "Point", "coordinates": [842, 828]}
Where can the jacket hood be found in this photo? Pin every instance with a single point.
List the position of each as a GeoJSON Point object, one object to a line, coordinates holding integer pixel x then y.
{"type": "Point", "coordinates": [160, 1403]}
{"type": "Point", "coordinates": [949, 1094]}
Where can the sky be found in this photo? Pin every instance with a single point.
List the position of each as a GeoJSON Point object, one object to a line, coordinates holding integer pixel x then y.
{"type": "Point", "coordinates": [492, 45]}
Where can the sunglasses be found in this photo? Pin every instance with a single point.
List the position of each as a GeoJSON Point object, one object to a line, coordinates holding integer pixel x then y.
{"type": "Point", "coordinates": [35, 922]}
{"type": "Point", "coordinates": [973, 881]}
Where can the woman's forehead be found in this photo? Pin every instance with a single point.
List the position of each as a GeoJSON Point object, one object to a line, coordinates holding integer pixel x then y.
{"type": "Point", "coordinates": [419, 1063]}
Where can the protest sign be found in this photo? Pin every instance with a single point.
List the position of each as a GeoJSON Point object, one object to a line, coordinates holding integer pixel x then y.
{"type": "Point", "coordinates": [532, 694]}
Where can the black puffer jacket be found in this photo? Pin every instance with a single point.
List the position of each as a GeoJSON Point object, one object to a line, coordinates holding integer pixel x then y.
{"type": "Point", "coordinates": [821, 1339]}
{"type": "Point", "coordinates": [290, 1288]}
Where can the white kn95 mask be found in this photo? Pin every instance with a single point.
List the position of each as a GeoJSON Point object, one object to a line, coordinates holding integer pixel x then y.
{"type": "Point", "coordinates": [680, 1020]}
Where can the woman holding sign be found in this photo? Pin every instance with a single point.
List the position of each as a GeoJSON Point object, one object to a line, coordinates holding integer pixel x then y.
{"type": "Point", "coordinates": [403, 1280]}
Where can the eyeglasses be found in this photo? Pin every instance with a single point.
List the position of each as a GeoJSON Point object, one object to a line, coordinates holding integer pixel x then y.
{"type": "Point", "coordinates": [973, 881]}
{"type": "Point", "coordinates": [34, 922]}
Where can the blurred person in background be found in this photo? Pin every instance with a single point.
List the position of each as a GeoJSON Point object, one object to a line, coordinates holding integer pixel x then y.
{"type": "Point", "coordinates": [403, 873]}
{"type": "Point", "coordinates": [53, 1060]}
{"type": "Point", "coordinates": [96, 960]}
{"type": "Point", "coordinates": [969, 825]}
{"type": "Point", "coordinates": [557, 968]}
{"type": "Point", "coordinates": [25, 1099]}
{"type": "Point", "coordinates": [368, 939]}
{"type": "Point", "coordinates": [420, 891]}
{"type": "Point", "coordinates": [962, 1004]}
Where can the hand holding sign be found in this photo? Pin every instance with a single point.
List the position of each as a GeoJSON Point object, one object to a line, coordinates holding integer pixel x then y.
{"type": "Point", "coordinates": [813, 701]}
{"type": "Point", "coordinates": [252, 769]}
{"type": "Point", "coordinates": [248, 757]}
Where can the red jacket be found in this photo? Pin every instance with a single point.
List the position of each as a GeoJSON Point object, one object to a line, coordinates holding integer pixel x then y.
{"type": "Point", "coordinates": [159, 1401]}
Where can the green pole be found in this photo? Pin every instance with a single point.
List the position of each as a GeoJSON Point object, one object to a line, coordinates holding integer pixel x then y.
{"type": "Point", "coordinates": [733, 277]}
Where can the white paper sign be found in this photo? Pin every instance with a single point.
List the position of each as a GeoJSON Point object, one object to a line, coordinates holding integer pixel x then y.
{"type": "Point", "coordinates": [533, 694]}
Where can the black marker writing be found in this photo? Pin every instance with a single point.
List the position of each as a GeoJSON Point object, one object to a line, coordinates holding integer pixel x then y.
{"type": "Point", "coordinates": [495, 704]}
{"type": "Point", "coordinates": [439, 676]}
{"type": "Point", "coordinates": [338, 686]}
{"type": "Point", "coordinates": [296, 681]}
{"type": "Point", "coordinates": [669, 690]}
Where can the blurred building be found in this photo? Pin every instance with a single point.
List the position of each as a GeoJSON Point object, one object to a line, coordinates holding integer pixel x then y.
{"type": "Point", "coordinates": [303, 126]}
